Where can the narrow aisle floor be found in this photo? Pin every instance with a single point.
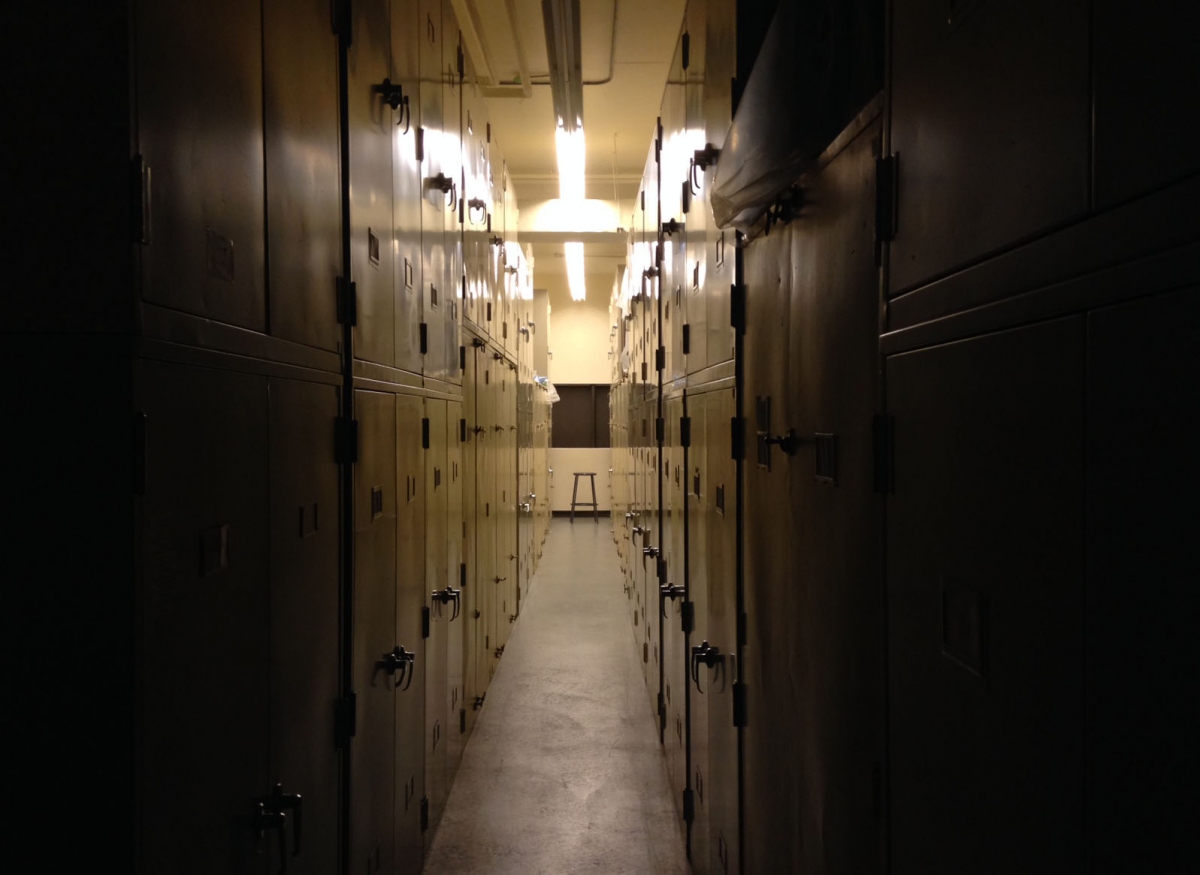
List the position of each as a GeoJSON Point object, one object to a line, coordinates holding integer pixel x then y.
{"type": "Point", "coordinates": [564, 772]}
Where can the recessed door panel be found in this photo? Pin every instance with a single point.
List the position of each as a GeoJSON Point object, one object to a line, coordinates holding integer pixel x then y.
{"type": "Point", "coordinates": [205, 620]}
{"type": "Point", "coordinates": [304, 617]}
{"type": "Point", "coordinates": [437, 186]}
{"type": "Point", "coordinates": [372, 122]}
{"type": "Point", "coordinates": [409, 274]}
{"type": "Point", "coordinates": [455, 538]}
{"type": "Point", "coordinates": [375, 680]}
{"type": "Point", "coordinates": [985, 606]}
{"type": "Point", "coordinates": [304, 227]}
{"type": "Point", "coordinates": [411, 597]}
{"type": "Point", "coordinates": [436, 581]}
{"type": "Point", "coordinates": [990, 106]}
{"type": "Point", "coordinates": [200, 131]}
{"type": "Point", "coordinates": [453, 137]}
{"type": "Point", "coordinates": [698, 693]}
{"type": "Point", "coordinates": [1143, 363]}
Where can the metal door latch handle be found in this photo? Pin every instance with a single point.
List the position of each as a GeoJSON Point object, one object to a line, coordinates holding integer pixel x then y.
{"type": "Point", "coordinates": [708, 655]}
{"type": "Point", "coordinates": [446, 186]}
{"type": "Point", "coordinates": [672, 592]}
{"type": "Point", "coordinates": [499, 580]}
{"type": "Point", "coordinates": [399, 660]}
{"type": "Point", "coordinates": [446, 596]}
{"type": "Point", "coordinates": [394, 96]}
{"type": "Point", "coordinates": [265, 819]}
{"type": "Point", "coordinates": [789, 442]}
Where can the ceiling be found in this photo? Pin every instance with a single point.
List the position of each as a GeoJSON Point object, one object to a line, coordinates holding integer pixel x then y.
{"type": "Point", "coordinates": [618, 115]}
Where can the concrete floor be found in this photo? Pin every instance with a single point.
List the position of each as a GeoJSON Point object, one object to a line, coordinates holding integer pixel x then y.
{"type": "Point", "coordinates": [564, 772]}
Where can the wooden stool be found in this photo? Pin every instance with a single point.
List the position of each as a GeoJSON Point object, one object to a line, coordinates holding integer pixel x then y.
{"type": "Point", "coordinates": [591, 475]}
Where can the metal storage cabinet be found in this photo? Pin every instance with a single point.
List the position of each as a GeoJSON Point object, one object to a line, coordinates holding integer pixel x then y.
{"type": "Point", "coordinates": [477, 192]}
{"type": "Point", "coordinates": [1145, 87]}
{"type": "Point", "coordinates": [411, 791]}
{"type": "Point", "coordinates": [474, 579]}
{"type": "Point", "coordinates": [305, 597]}
{"type": "Point", "coordinates": [372, 127]}
{"type": "Point", "coordinates": [716, 271]}
{"type": "Point", "coordinates": [204, 696]}
{"type": "Point", "coordinates": [695, 702]}
{"type": "Point", "coordinates": [771, 758]}
{"type": "Point", "coordinates": [444, 353]}
{"type": "Point", "coordinates": [716, 775]}
{"type": "Point", "coordinates": [696, 212]}
{"type": "Point", "coordinates": [836, 513]}
{"type": "Point", "coordinates": [672, 711]}
{"type": "Point", "coordinates": [990, 117]}
{"type": "Point", "coordinates": [439, 187]}
{"type": "Point", "coordinates": [672, 232]}
{"type": "Point", "coordinates": [408, 275]}
{"type": "Point", "coordinates": [199, 100]}
{"type": "Point", "coordinates": [455, 729]}
{"type": "Point", "coordinates": [437, 622]}
{"type": "Point", "coordinates": [373, 760]}
{"type": "Point", "coordinates": [1142, 764]}
{"type": "Point", "coordinates": [985, 609]}
{"type": "Point", "coordinates": [303, 204]}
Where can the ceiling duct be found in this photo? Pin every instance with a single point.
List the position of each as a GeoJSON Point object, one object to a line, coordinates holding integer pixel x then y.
{"type": "Point", "coordinates": [565, 53]}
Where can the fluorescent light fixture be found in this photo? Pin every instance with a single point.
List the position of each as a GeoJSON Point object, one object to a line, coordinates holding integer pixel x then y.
{"type": "Point", "coordinates": [565, 54]}
{"type": "Point", "coordinates": [575, 271]}
{"type": "Point", "coordinates": [572, 160]}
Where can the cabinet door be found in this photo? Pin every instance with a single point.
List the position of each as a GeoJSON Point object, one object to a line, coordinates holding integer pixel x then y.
{"type": "Point", "coordinates": [435, 176]}
{"type": "Point", "coordinates": [374, 604]}
{"type": "Point", "coordinates": [436, 581]}
{"type": "Point", "coordinates": [372, 120]}
{"type": "Point", "coordinates": [694, 701]}
{"type": "Point", "coordinates": [1143, 765]}
{"type": "Point", "coordinates": [721, 779]}
{"type": "Point", "coordinates": [200, 130]}
{"type": "Point", "coordinates": [453, 137]}
{"type": "Point", "coordinates": [205, 689]}
{"type": "Point", "coordinates": [411, 597]}
{"type": "Point", "coordinates": [304, 217]}
{"type": "Point", "coordinates": [673, 710]}
{"type": "Point", "coordinates": [985, 610]}
{"type": "Point", "coordinates": [304, 617]}
{"type": "Point", "coordinates": [406, 185]}
{"type": "Point", "coordinates": [456, 571]}
{"type": "Point", "coordinates": [991, 118]}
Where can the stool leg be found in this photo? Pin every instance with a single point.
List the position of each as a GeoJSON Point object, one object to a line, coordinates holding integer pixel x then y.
{"type": "Point", "coordinates": [574, 495]}
{"type": "Point", "coordinates": [595, 501]}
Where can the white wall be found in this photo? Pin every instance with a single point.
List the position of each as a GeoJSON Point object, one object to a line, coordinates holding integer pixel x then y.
{"type": "Point", "coordinates": [579, 345]}
{"type": "Point", "coordinates": [565, 463]}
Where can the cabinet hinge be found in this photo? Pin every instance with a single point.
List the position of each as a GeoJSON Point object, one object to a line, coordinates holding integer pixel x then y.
{"type": "Point", "coordinates": [662, 713]}
{"type": "Point", "coordinates": [645, 371]}
{"type": "Point", "coordinates": [462, 720]}
{"type": "Point", "coordinates": [424, 813]}
{"type": "Point", "coordinates": [687, 615]}
{"type": "Point", "coordinates": [343, 18]}
{"type": "Point", "coordinates": [461, 62]}
{"type": "Point", "coordinates": [140, 181]}
{"type": "Point", "coordinates": [462, 358]}
{"type": "Point", "coordinates": [426, 618]}
{"type": "Point", "coordinates": [642, 195]}
{"type": "Point", "coordinates": [742, 637]}
{"type": "Point", "coordinates": [345, 720]}
{"type": "Point", "coordinates": [739, 705]}
{"type": "Point", "coordinates": [462, 425]}
{"type": "Point", "coordinates": [686, 204]}
{"type": "Point", "coordinates": [347, 302]}
{"type": "Point", "coordinates": [425, 433]}
{"type": "Point", "coordinates": [462, 572]}
{"type": "Point", "coordinates": [420, 138]}
{"type": "Point", "coordinates": [689, 806]}
{"type": "Point", "coordinates": [424, 334]}
{"type": "Point", "coordinates": [685, 431]}
{"type": "Point", "coordinates": [489, 311]}
{"type": "Point", "coordinates": [882, 429]}
{"type": "Point", "coordinates": [660, 430]}
{"type": "Point", "coordinates": [886, 180]}
{"type": "Point", "coordinates": [687, 48]}
{"type": "Point", "coordinates": [687, 338]}
{"type": "Point", "coordinates": [737, 307]}
{"type": "Point", "coordinates": [345, 441]}
{"type": "Point", "coordinates": [658, 140]}
{"type": "Point", "coordinates": [662, 571]}
{"type": "Point", "coordinates": [737, 438]}
{"type": "Point", "coordinates": [139, 453]}
{"type": "Point", "coordinates": [489, 132]}
{"type": "Point", "coordinates": [660, 358]}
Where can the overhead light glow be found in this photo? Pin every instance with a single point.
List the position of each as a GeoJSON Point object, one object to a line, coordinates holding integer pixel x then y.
{"type": "Point", "coordinates": [572, 158]}
{"type": "Point", "coordinates": [575, 271]}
